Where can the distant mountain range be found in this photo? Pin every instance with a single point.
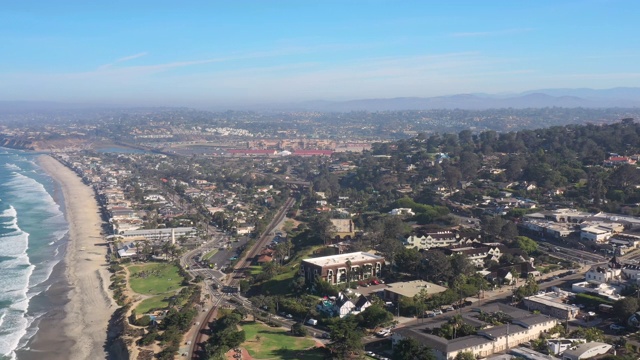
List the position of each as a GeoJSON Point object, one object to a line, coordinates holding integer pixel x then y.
{"type": "Point", "coordinates": [621, 97]}
{"type": "Point", "coordinates": [568, 98]}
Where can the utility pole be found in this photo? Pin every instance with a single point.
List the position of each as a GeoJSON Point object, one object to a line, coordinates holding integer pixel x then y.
{"type": "Point", "coordinates": [507, 339]}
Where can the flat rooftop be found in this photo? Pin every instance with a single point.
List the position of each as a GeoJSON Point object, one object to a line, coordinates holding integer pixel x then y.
{"type": "Point", "coordinates": [343, 258]}
{"type": "Point", "coordinates": [552, 300]}
{"type": "Point", "coordinates": [412, 288]}
{"type": "Point", "coordinates": [163, 231]}
{"type": "Point", "coordinates": [342, 225]}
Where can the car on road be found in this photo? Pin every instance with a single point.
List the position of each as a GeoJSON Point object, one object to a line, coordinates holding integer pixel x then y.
{"type": "Point", "coordinates": [289, 316]}
{"type": "Point", "coordinates": [437, 312]}
{"type": "Point", "coordinates": [233, 258]}
{"type": "Point", "coordinates": [383, 333]}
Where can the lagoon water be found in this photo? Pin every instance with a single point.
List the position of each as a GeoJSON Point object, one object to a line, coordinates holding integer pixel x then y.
{"type": "Point", "coordinates": [32, 241]}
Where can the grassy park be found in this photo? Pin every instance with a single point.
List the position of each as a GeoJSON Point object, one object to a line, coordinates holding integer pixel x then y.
{"type": "Point", "coordinates": [264, 342]}
{"type": "Point", "coordinates": [156, 302]}
{"type": "Point", "coordinates": [160, 280]}
{"type": "Point", "coordinates": [154, 278]}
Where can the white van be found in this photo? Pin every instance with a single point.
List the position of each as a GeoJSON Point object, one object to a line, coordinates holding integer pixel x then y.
{"type": "Point", "coordinates": [312, 322]}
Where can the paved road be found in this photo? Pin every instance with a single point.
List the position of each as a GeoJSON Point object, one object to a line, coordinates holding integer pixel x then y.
{"type": "Point", "coordinates": [216, 295]}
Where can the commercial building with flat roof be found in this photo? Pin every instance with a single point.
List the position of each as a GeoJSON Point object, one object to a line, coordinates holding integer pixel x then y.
{"type": "Point", "coordinates": [409, 289]}
{"type": "Point", "coordinates": [553, 304]}
{"type": "Point", "coordinates": [335, 268]}
{"type": "Point", "coordinates": [344, 228]}
{"type": "Point", "coordinates": [160, 234]}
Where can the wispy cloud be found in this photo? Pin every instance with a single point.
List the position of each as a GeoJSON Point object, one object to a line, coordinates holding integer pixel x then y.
{"type": "Point", "coordinates": [490, 33]}
{"type": "Point", "coordinates": [131, 57]}
{"type": "Point", "coordinates": [121, 60]}
{"type": "Point", "coordinates": [155, 68]}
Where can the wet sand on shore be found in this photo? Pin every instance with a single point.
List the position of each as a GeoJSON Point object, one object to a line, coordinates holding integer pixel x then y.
{"type": "Point", "coordinates": [80, 331]}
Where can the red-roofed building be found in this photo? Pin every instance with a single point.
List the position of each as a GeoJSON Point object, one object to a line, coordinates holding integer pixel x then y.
{"type": "Point", "coordinates": [251, 152]}
{"type": "Point", "coordinates": [618, 160]}
{"type": "Point", "coordinates": [313, 152]}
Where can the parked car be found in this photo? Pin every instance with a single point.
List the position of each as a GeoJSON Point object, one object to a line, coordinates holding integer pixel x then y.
{"type": "Point", "coordinates": [450, 308]}
{"type": "Point", "coordinates": [616, 327]}
{"type": "Point", "coordinates": [289, 316]}
{"type": "Point", "coordinates": [383, 333]}
{"type": "Point", "coordinates": [437, 312]}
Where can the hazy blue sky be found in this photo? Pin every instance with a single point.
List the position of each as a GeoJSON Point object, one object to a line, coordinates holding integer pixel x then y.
{"type": "Point", "coordinates": [233, 52]}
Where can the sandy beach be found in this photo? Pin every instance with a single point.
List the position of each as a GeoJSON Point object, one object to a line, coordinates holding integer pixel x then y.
{"type": "Point", "coordinates": [90, 306]}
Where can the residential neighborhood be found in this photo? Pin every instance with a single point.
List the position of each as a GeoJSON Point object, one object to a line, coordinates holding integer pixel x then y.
{"type": "Point", "coordinates": [416, 243]}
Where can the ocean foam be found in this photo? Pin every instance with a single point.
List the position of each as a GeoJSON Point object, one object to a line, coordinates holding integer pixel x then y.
{"type": "Point", "coordinates": [32, 221]}
{"type": "Point", "coordinates": [14, 281]}
{"type": "Point", "coordinates": [12, 167]}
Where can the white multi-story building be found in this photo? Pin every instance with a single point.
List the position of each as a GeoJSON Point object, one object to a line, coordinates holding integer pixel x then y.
{"type": "Point", "coordinates": [439, 239]}
{"type": "Point", "coordinates": [160, 234]}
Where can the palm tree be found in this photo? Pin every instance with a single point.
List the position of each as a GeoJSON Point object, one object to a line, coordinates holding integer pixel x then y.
{"type": "Point", "coordinates": [348, 274]}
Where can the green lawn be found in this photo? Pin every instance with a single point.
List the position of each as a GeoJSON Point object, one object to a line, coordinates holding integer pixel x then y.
{"type": "Point", "coordinates": [156, 302]}
{"type": "Point", "coordinates": [208, 255]}
{"type": "Point", "coordinates": [159, 279]}
{"type": "Point", "coordinates": [154, 278]}
{"type": "Point", "coordinates": [276, 343]}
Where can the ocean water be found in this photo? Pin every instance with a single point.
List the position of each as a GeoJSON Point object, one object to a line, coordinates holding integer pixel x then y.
{"type": "Point", "coordinates": [32, 241]}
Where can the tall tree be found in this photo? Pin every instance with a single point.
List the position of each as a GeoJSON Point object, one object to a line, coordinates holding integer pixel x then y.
{"type": "Point", "coordinates": [461, 265]}
{"type": "Point", "coordinates": [626, 307]}
{"type": "Point", "coordinates": [526, 244]}
{"type": "Point", "coordinates": [411, 349]}
{"type": "Point", "coordinates": [322, 228]}
{"type": "Point", "coordinates": [437, 267]}
{"type": "Point", "coordinates": [346, 338]}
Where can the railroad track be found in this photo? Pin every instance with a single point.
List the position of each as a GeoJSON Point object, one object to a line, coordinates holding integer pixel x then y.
{"type": "Point", "coordinates": [262, 242]}
{"type": "Point", "coordinates": [244, 262]}
{"type": "Point", "coordinates": [201, 337]}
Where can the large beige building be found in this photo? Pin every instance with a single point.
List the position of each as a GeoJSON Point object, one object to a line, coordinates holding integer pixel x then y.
{"type": "Point", "coordinates": [335, 268]}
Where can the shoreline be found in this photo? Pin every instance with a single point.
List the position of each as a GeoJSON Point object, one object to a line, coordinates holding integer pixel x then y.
{"type": "Point", "coordinates": [89, 306]}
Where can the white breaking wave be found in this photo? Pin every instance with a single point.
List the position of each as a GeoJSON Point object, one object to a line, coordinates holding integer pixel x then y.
{"type": "Point", "coordinates": [13, 167]}
{"type": "Point", "coordinates": [14, 281]}
{"type": "Point", "coordinates": [25, 265]}
{"type": "Point", "coordinates": [10, 212]}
